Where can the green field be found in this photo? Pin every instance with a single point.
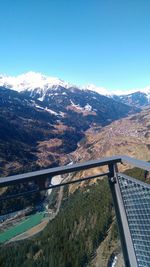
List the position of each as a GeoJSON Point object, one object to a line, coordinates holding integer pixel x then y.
{"type": "Point", "coordinates": [21, 227]}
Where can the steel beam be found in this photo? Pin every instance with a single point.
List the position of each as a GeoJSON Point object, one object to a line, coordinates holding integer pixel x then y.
{"type": "Point", "coordinates": [49, 173]}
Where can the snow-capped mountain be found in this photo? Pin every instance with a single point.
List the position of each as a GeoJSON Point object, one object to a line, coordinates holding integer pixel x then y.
{"type": "Point", "coordinates": [138, 99]}
{"type": "Point", "coordinates": [49, 113]}
{"type": "Point", "coordinates": [42, 87]}
{"type": "Point", "coordinates": [146, 91]}
{"type": "Point", "coordinates": [30, 81]}
{"type": "Point", "coordinates": [100, 90]}
{"type": "Point", "coordinates": [35, 80]}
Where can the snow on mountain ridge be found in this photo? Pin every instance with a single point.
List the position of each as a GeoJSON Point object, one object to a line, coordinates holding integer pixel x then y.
{"type": "Point", "coordinates": [35, 81]}
{"type": "Point", "coordinates": [145, 90]}
{"type": "Point", "coordinates": [30, 81]}
{"type": "Point", "coordinates": [100, 90]}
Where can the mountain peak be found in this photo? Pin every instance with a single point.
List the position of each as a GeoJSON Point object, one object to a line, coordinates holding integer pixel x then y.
{"type": "Point", "coordinates": [30, 81]}
{"type": "Point", "coordinates": [37, 81]}
{"type": "Point", "coordinates": [100, 90]}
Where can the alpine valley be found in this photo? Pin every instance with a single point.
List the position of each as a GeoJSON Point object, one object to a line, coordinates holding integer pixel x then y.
{"type": "Point", "coordinates": [41, 125]}
{"type": "Point", "coordinates": [46, 122]}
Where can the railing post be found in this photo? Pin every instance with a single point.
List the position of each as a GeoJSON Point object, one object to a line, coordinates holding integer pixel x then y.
{"type": "Point", "coordinates": [125, 237]}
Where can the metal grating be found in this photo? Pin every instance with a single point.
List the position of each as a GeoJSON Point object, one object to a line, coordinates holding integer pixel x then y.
{"type": "Point", "coordinates": [136, 200]}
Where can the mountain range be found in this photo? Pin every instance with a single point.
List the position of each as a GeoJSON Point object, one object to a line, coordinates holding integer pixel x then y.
{"type": "Point", "coordinates": [47, 122]}
{"type": "Point", "coordinates": [43, 119]}
{"type": "Point", "coordinates": [36, 83]}
{"type": "Point", "coordinates": [40, 133]}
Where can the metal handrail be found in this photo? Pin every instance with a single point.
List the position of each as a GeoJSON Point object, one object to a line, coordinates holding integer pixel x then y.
{"type": "Point", "coordinates": [36, 175]}
{"type": "Point", "coordinates": [51, 172]}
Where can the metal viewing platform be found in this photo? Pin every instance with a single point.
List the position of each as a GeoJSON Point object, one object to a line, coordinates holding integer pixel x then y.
{"type": "Point", "coordinates": [131, 199]}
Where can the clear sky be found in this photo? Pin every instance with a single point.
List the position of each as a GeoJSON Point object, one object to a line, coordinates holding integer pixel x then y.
{"type": "Point", "coordinates": [104, 42]}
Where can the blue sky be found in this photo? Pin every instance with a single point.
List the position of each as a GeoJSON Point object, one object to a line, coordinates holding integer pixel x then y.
{"type": "Point", "coordinates": [104, 42]}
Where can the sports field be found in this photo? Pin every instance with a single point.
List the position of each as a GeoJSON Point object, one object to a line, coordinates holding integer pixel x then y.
{"type": "Point", "coordinates": [21, 227]}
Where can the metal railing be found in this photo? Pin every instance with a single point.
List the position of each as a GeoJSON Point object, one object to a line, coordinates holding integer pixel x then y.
{"type": "Point", "coordinates": [117, 187]}
{"type": "Point", "coordinates": [43, 174]}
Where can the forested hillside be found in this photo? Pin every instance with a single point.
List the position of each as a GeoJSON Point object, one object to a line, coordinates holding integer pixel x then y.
{"type": "Point", "coordinates": [71, 239]}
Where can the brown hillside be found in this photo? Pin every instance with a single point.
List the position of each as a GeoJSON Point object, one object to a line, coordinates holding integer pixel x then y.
{"type": "Point", "coordinates": [129, 136]}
